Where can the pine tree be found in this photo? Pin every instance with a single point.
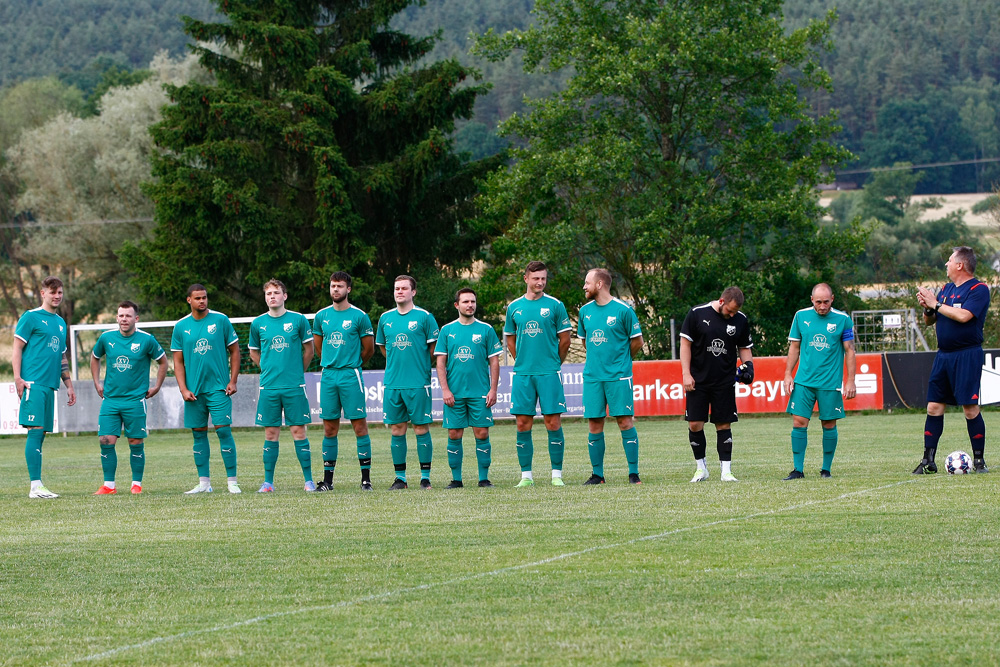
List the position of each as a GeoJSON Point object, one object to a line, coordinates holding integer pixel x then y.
{"type": "Point", "coordinates": [323, 145]}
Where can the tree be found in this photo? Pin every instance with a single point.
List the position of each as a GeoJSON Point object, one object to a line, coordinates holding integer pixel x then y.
{"type": "Point", "coordinates": [323, 145]}
{"type": "Point", "coordinates": [78, 196]}
{"type": "Point", "coordinates": [680, 156]}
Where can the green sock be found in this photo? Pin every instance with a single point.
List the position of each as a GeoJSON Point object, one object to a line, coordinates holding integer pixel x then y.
{"type": "Point", "coordinates": [304, 455]}
{"type": "Point", "coordinates": [331, 448]}
{"type": "Point", "coordinates": [800, 438]}
{"type": "Point", "coordinates": [455, 455]}
{"type": "Point", "coordinates": [33, 453]}
{"type": "Point", "coordinates": [397, 447]}
{"type": "Point", "coordinates": [365, 452]}
{"type": "Point", "coordinates": [595, 446]}
{"type": "Point", "coordinates": [109, 462]}
{"type": "Point", "coordinates": [271, 449]}
{"type": "Point", "coordinates": [202, 454]}
{"type": "Point", "coordinates": [137, 457]}
{"type": "Point", "coordinates": [829, 447]}
{"type": "Point", "coordinates": [228, 448]}
{"type": "Point", "coordinates": [630, 441]}
{"type": "Point", "coordinates": [425, 449]}
{"type": "Point", "coordinates": [483, 460]}
{"type": "Point", "coordinates": [525, 450]}
{"type": "Point", "coordinates": [556, 448]}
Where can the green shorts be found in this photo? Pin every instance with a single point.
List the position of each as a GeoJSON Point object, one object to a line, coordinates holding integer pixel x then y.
{"type": "Point", "coordinates": [214, 403]}
{"type": "Point", "coordinates": [116, 412]}
{"type": "Point", "coordinates": [545, 390]}
{"type": "Point", "coordinates": [613, 397]}
{"type": "Point", "coordinates": [342, 389]}
{"type": "Point", "coordinates": [468, 412]}
{"type": "Point", "coordinates": [291, 400]}
{"type": "Point", "coordinates": [38, 407]}
{"type": "Point", "coordinates": [407, 405]}
{"type": "Point", "coordinates": [802, 400]}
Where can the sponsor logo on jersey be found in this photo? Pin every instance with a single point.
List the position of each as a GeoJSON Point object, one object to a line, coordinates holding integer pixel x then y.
{"type": "Point", "coordinates": [202, 346]}
{"type": "Point", "coordinates": [464, 354]}
{"type": "Point", "coordinates": [718, 347]}
{"type": "Point", "coordinates": [135, 347]}
{"type": "Point", "coordinates": [335, 340]}
{"type": "Point", "coordinates": [819, 343]}
{"type": "Point", "coordinates": [831, 327]}
{"type": "Point", "coordinates": [402, 341]}
{"type": "Point", "coordinates": [122, 364]}
{"type": "Point", "coordinates": [477, 337]}
{"type": "Point", "coordinates": [346, 324]}
{"type": "Point", "coordinates": [288, 327]}
{"type": "Point", "coordinates": [544, 312]}
{"type": "Point", "coordinates": [212, 328]}
{"type": "Point", "coordinates": [598, 337]}
{"type": "Point", "coordinates": [278, 343]}
{"type": "Point", "coordinates": [730, 330]}
{"type": "Point", "coordinates": [531, 329]}
{"type": "Point", "coordinates": [611, 320]}
{"type": "Point", "coordinates": [54, 343]}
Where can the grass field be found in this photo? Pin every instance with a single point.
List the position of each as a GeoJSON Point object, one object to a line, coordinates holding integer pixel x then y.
{"type": "Point", "coordinates": [874, 566]}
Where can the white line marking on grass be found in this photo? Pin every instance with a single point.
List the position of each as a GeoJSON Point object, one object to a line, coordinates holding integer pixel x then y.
{"type": "Point", "coordinates": [481, 575]}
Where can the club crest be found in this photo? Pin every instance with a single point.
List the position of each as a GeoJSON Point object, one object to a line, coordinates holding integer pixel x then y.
{"type": "Point", "coordinates": [288, 327]}
{"type": "Point", "coordinates": [544, 312]}
{"type": "Point", "coordinates": [135, 347]}
{"type": "Point", "coordinates": [730, 330]}
{"type": "Point", "coordinates": [211, 328]}
{"type": "Point", "coordinates": [346, 324]}
{"type": "Point", "coordinates": [413, 326]}
{"type": "Point", "coordinates": [477, 337]}
{"type": "Point", "coordinates": [831, 327]}
{"type": "Point", "coordinates": [611, 320]}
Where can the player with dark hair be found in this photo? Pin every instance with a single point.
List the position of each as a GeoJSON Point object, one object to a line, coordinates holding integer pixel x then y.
{"type": "Point", "coordinates": [821, 342]}
{"type": "Point", "coordinates": [282, 345]}
{"type": "Point", "coordinates": [343, 334]}
{"type": "Point", "coordinates": [39, 360]}
{"type": "Point", "coordinates": [715, 353]}
{"type": "Point", "coordinates": [201, 344]}
{"type": "Point", "coordinates": [468, 364]}
{"type": "Point", "coordinates": [537, 330]}
{"type": "Point", "coordinates": [124, 392]}
{"type": "Point", "coordinates": [959, 313]}
{"type": "Point", "coordinates": [611, 336]}
{"type": "Point", "coordinates": [406, 336]}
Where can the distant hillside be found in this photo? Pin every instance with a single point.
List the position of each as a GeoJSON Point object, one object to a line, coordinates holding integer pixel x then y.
{"type": "Point", "coordinates": [43, 37]}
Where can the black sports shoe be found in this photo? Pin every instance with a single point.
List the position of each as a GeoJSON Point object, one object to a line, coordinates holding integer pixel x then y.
{"type": "Point", "coordinates": [454, 484]}
{"type": "Point", "coordinates": [425, 484]}
{"type": "Point", "coordinates": [825, 473]}
{"type": "Point", "coordinates": [323, 486]}
{"type": "Point", "coordinates": [633, 478]}
{"type": "Point", "coordinates": [594, 479]}
{"type": "Point", "coordinates": [795, 474]}
{"type": "Point", "coordinates": [397, 485]}
{"type": "Point", "coordinates": [925, 467]}
{"type": "Point", "coordinates": [980, 466]}
{"type": "Point", "coordinates": [484, 483]}
{"type": "Point", "coordinates": [366, 486]}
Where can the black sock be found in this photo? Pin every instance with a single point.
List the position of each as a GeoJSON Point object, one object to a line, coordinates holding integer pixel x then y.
{"type": "Point", "coordinates": [698, 444]}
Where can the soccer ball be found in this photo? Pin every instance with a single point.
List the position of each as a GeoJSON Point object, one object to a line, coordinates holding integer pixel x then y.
{"type": "Point", "coordinates": [958, 463]}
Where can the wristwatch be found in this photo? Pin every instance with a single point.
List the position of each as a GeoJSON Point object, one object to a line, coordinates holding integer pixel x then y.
{"type": "Point", "coordinates": [937, 307]}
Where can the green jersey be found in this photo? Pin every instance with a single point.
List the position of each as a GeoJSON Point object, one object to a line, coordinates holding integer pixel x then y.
{"type": "Point", "coordinates": [44, 337]}
{"type": "Point", "coordinates": [821, 352]}
{"type": "Point", "coordinates": [280, 341]}
{"type": "Point", "coordinates": [608, 331]}
{"type": "Point", "coordinates": [203, 344]}
{"type": "Point", "coordinates": [342, 331]}
{"type": "Point", "coordinates": [406, 339]}
{"type": "Point", "coordinates": [537, 324]}
{"type": "Point", "coordinates": [468, 348]}
{"type": "Point", "coordinates": [127, 373]}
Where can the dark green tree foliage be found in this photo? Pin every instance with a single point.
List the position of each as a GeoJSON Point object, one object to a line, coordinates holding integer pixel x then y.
{"type": "Point", "coordinates": [680, 156]}
{"type": "Point", "coordinates": [321, 147]}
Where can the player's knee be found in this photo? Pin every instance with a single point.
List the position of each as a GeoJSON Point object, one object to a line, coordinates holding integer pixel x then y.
{"type": "Point", "coordinates": [331, 427]}
{"type": "Point", "coordinates": [106, 440]}
{"type": "Point", "coordinates": [456, 433]}
{"type": "Point", "coordinates": [971, 411]}
{"type": "Point", "coordinates": [360, 427]}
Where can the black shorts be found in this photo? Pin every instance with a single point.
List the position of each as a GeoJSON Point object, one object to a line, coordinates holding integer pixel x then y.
{"type": "Point", "coordinates": [721, 399]}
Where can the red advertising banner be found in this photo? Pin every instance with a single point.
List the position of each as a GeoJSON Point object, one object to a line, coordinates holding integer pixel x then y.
{"type": "Point", "coordinates": [658, 389]}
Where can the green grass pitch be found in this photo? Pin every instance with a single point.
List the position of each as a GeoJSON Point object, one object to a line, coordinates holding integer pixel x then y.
{"type": "Point", "coordinates": [873, 567]}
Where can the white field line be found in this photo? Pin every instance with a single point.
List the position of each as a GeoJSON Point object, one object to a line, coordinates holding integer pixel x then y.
{"type": "Point", "coordinates": [471, 577]}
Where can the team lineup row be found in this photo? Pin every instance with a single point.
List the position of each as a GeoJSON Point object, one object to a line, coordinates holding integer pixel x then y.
{"type": "Point", "coordinates": [716, 352]}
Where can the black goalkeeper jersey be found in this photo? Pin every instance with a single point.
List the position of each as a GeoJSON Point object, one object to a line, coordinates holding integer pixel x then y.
{"type": "Point", "coordinates": [715, 343]}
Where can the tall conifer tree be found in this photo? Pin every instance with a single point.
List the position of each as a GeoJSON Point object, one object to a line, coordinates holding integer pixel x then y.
{"type": "Point", "coordinates": [323, 144]}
